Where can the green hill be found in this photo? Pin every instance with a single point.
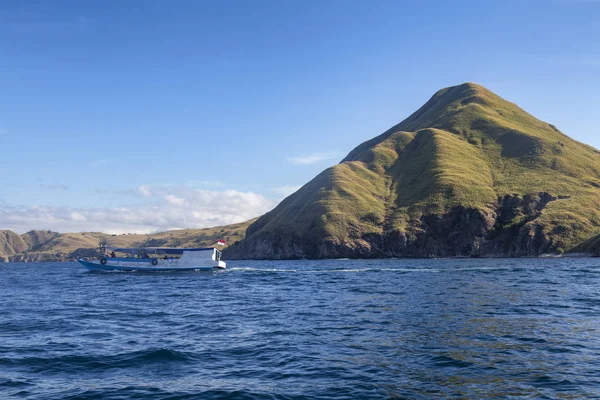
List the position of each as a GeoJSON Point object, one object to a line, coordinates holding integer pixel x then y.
{"type": "Point", "coordinates": [53, 246]}
{"type": "Point", "coordinates": [590, 246]}
{"type": "Point", "coordinates": [468, 174]}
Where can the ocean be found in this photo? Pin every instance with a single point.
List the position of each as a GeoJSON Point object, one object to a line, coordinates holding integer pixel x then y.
{"type": "Point", "coordinates": [336, 329]}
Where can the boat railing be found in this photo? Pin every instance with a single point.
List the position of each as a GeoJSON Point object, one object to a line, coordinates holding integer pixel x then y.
{"type": "Point", "coordinates": [129, 259]}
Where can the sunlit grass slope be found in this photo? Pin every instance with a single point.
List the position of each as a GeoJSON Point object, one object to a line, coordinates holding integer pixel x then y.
{"type": "Point", "coordinates": [465, 147]}
{"type": "Point", "coordinates": [11, 244]}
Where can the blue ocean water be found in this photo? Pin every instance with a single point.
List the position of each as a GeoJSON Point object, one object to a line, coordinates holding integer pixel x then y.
{"type": "Point", "coordinates": [465, 328]}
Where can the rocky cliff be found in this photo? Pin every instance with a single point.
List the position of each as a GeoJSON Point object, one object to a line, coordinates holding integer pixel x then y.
{"type": "Point", "coordinates": [459, 232]}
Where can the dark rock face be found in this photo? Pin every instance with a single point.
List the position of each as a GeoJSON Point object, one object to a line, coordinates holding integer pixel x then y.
{"type": "Point", "coordinates": [507, 229]}
{"type": "Point", "coordinates": [85, 253]}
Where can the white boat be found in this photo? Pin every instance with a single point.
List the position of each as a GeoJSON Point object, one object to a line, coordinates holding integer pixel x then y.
{"type": "Point", "coordinates": [158, 259]}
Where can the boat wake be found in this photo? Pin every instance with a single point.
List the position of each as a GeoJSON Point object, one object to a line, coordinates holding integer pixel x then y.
{"type": "Point", "coordinates": [332, 270]}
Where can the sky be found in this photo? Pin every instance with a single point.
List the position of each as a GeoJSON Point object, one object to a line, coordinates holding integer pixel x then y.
{"type": "Point", "coordinates": [141, 116]}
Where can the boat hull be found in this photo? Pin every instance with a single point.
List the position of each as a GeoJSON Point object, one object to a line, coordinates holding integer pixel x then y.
{"type": "Point", "coordinates": [146, 267]}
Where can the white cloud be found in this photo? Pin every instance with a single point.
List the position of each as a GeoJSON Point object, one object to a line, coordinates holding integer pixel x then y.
{"type": "Point", "coordinates": [144, 191]}
{"type": "Point", "coordinates": [286, 190]}
{"type": "Point", "coordinates": [77, 216]}
{"type": "Point", "coordinates": [313, 158]}
{"type": "Point", "coordinates": [174, 200]}
{"type": "Point", "coordinates": [149, 190]}
{"type": "Point", "coordinates": [170, 207]}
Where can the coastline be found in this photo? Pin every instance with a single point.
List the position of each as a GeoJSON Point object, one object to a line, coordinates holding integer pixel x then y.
{"type": "Point", "coordinates": [20, 258]}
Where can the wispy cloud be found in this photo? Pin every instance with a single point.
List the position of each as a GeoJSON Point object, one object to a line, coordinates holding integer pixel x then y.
{"type": "Point", "coordinates": [313, 158]}
{"type": "Point", "coordinates": [100, 162]}
{"type": "Point", "coordinates": [205, 183]}
{"type": "Point", "coordinates": [168, 208]}
{"type": "Point", "coordinates": [286, 190]}
{"type": "Point", "coordinates": [123, 192]}
{"type": "Point", "coordinates": [144, 191]}
{"type": "Point", "coordinates": [55, 186]}
{"type": "Point", "coordinates": [140, 191]}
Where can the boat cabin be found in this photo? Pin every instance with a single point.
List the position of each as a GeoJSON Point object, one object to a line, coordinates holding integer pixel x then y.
{"type": "Point", "coordinates": [193, 255]}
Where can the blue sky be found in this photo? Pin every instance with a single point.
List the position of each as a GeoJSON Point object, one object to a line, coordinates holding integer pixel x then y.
{"type": "Point", "coordinates": [127, 116]}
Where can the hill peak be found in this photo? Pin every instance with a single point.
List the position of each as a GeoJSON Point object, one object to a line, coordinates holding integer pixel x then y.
{"type": "Point", "coordinates": [466, 87]}
{"type": "Point", "coordinates": [464, 93]}
{"type": "Point", "coordinates": [469, 111]}
{"type": "Point", "coordinates": [447, 103]}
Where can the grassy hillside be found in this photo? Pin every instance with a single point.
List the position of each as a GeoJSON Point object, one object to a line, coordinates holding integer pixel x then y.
{"type": "Point", "coordinates": [11, 244]}
{"type": "Point", "coordinates": [465, 149]}
{"type": "Point", "coordinates": [47, 245]}
{"type": "Point", "coordinates": [591, 246]}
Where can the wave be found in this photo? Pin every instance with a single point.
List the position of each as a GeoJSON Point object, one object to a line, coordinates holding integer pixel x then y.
{"type": "Point", "coordinates": [12, 383]}
{"type": "Point", "coordinates": [450, 362]}
{"type": "Point", "coordinates": [79, 363]}
{"type": "Point", "coordinates": [145, 392]}
{"type": "Point", "coordinates": [305, 329]}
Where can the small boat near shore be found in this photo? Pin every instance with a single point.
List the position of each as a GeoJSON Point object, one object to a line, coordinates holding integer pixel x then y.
{"type": "Point", "coordinates": [159, 259]}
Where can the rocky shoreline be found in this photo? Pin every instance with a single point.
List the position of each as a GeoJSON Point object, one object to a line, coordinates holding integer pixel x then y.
{"type": "Point", "coordinates": [52, 256]}
{"type": "Point", "coordinates": [36, 258]}
{"type": "Point", "coordinates": [508, 228]}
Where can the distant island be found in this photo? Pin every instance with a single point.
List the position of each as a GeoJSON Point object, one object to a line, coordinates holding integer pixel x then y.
{"type": "Point", "coordinates": [40, 246]}
{"type": "Point", "coordinates": [469, 174]}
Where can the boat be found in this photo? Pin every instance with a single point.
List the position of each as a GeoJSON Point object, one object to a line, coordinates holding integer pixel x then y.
{"type": "Point", "coordinates": [160, 259]}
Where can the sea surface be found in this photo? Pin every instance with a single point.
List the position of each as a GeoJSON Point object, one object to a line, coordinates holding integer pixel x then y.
{"type": "Point", "coordinates": [339, 329]}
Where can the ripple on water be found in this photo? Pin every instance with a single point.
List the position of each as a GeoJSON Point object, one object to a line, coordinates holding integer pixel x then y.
{"type": "Point", "coordinates": [91, 363]}
{"type": "Point", "coordinates": [304, 329]}
{"type": "Point", "coordinates": [449, 362]}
